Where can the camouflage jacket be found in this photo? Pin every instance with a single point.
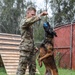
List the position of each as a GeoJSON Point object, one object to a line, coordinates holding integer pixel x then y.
{"type": "Point", "coordinates": [27, 31]}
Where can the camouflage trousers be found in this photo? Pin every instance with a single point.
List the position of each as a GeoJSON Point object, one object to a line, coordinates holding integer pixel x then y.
{"type": "Point", "coordinates": [26, 59]}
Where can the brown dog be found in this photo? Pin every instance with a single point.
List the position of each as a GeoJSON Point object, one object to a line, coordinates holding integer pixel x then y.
{"type": "Point", "coordinates": [46, 56]}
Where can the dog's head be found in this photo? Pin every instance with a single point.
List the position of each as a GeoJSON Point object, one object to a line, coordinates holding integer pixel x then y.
{"type": "Point", "coordinates": [49, 32]}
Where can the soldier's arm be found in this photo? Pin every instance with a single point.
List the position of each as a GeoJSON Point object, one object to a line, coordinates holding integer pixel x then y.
{"type": "Point", "coordinates": [28, 22]}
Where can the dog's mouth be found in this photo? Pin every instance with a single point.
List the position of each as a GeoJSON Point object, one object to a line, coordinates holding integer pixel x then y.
{"type": "Point", "coordinates": [49, 32]}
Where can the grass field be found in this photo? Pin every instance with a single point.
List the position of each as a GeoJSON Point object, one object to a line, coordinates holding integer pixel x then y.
{"type": "Point", "coordinates": [60, 71]}
{"type": "Point", "coordinates": [2, 71]}
{"type": "Point", "coordinates": [42, 71]}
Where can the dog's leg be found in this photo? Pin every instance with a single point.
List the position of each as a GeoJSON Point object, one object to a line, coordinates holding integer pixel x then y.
{"type": "Point", "coordinates": [47, 55]}
{"type": "Point", "coordinates": [50, 52]}
{"type": "Point", "coordinates": [55, 72]}
{"type": "Point", "coordinates": [39, 62]}
{"type": "Point", "coordinates": [48, 72]}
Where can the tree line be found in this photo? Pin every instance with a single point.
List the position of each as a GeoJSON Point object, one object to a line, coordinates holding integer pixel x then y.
{"type": "Point", "coordinates": [12, 11]}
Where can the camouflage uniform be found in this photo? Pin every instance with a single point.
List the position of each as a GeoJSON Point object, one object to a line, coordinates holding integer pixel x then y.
{"type": "Point", "coordinates": [27, 54]}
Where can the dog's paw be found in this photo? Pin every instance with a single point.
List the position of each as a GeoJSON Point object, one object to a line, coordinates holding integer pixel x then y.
{"type": "Point", "coordinates": [40, 64]}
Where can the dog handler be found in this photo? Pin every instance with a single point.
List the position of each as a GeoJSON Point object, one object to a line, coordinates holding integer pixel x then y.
{"type": "Point", "coordinates": [27, 42]}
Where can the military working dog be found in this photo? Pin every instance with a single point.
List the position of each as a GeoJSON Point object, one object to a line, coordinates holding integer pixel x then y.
{"type": "Point", "coordinates": [46, 53]}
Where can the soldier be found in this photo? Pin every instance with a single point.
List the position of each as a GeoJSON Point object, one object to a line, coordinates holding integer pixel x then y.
{"type": "Point", "coordinates": [27, 42]}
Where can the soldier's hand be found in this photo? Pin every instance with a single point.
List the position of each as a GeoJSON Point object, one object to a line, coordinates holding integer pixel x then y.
{"type": "Point", "coordinates": [44, 13]}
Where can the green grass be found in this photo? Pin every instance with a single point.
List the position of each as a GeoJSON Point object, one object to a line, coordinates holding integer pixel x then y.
{"type": "Point", "coordinates": [60, 71]}
{"type": "Point", "coordinates": [66, 71]}
{"type": "Point", "coordinates": [2, 71]}
{"type": "Point", "coordinates": [42, 71]}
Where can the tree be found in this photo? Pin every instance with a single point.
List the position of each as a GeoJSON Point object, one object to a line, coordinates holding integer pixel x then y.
{"type": "Point", "coordinates": [9, 16]}
{"type": "Point", "coordinates": [63, 11]}
{"type": "Point", "coordinates": [11, 13]}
